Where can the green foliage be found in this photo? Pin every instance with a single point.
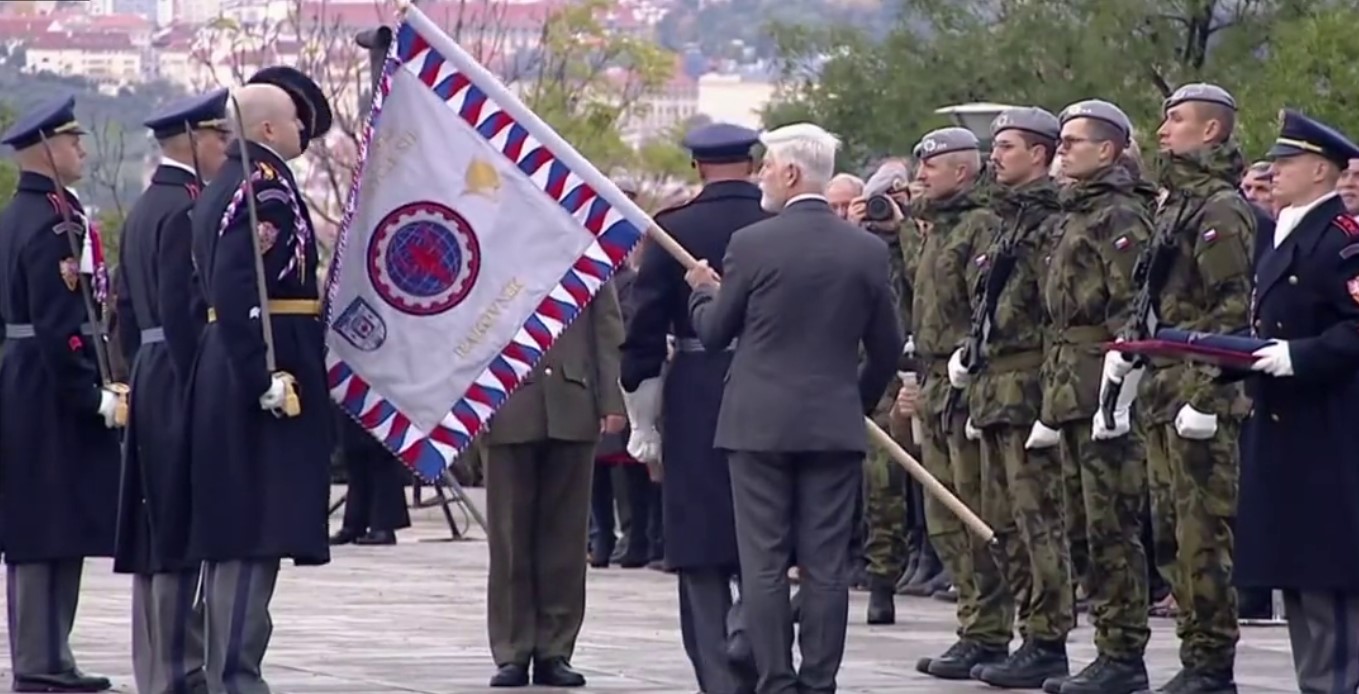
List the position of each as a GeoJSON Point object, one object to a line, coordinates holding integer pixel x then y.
{"type": "Point", "coordinates": [880, 95]}
{"type": "Point", "coordinates": [586, 79]}
{"type": "Point", "coordinates": [738, 29]}
{"type": "Point", "coordinates": [111, 233]}
{"type": "Point", "coordinates": [9, 173]}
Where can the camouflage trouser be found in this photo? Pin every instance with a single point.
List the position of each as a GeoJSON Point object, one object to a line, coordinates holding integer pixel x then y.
{"type": "Point", "coordinates": [1075, 527]}
{"type": "Point", "coordinates": [1160, 484]}
{"type": "Point", "coordinates": [1023, 493]}
{"type": "Point", "coordinates": [985, 606]}
{"type": "Point", "coordinates": [1107, 502]}
{"type": "Point", "coordinates": [1203, 487]}
{"type": "Point", "coordinates": [885, 516]}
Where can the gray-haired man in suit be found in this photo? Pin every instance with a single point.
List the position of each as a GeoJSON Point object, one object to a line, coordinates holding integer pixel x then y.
{"type": "Point", "coordinates": [801, 293]}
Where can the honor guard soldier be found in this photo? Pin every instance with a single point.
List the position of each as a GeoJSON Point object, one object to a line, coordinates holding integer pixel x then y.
{"type": "Point", "coordinates": [958, 228]}
{"type": "Point", "coordinates": [1197, 277]}
{"type": "Point", "coordinates": [260, 422]}
{"type": "Point", "coordinates": [700, 534]}
{"type": "Point", "coordinates": [159, 326]}
{"type": "Point", "coordinates": [1087, 292]}
{"type": "Point", "coordinates": [1022, 492]}
{"type": "Point", "coordinates": [1298, 525]}
{"type": "Point", "coordinates": [58, 437]}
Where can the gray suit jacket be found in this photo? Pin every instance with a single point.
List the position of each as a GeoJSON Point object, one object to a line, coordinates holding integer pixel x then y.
{"type": "Point", "coordinates": [802, 291]}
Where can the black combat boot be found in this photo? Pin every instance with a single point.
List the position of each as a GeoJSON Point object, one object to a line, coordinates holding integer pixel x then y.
{"type": "Point", "coordinates": [957, 663]}
{"type": "Point", "coordinates": [913, 553]}
{"type": "Point", "coordinates": [1199, 681]}
{"type": "Point", "coordinates": [1029, 667]}
{"type": "Point", "coordinates": [882, 608]}
{"type": "Point", "coordinates": [1104, 676]}
{"type": "Point", "coordinates": [927, 569]}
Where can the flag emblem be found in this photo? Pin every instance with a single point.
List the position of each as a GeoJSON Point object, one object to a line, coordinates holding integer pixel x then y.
{"type": "Point", "coordinates": [361, 326]}
{"type": "Point", "coordinates": [1210, 235]}
{"type": "Point", "coordinates": [424, 258]}
{"type": "Point", "coordinates": [70, 273]}
{"type": "Point", "coordinates": [1122, 242]}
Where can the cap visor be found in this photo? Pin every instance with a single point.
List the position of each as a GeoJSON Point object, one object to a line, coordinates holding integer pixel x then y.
{"type": "Point", "coordinates": [1282, 151]}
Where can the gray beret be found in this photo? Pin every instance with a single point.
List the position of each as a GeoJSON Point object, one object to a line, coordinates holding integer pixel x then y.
{"type": "Point", "coordinates": [944, 141]}
{"type": "Point", "coordinates": [1101, 111]}
{"type": "Point", "coordinates": [1199, 91]}
{"type": "Point", "coordinates": [1029, 119]}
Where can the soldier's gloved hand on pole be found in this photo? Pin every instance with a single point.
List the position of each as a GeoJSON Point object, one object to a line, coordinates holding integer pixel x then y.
{"type": "Point", "coordinates": [1194, 425]}
{"type": "Point", "coordinates": [1274, 359]}
{"type": "Point", "coordinates": [273, 398]}
{"type": "Point", "coordinates": [971, 431]}
{"type": "Point", "coordinates": [1122, 407]}
{"type": "Point", "coordinates": [108, 407]}
{"type": "Point", "coordinates": [644, 411]}
{"type": "Point", "coordinates": [1116, 366]}
{"type": "Point", "coordinates": [909, 348]}
{"type": "Point", "coordinates": [958, 377]}
{"type": "Point", "coordinates": [1042, 436]}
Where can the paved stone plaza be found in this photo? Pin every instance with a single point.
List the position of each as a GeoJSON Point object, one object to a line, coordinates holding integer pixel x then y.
{"type": "Point", "coordinates": [411, 618]}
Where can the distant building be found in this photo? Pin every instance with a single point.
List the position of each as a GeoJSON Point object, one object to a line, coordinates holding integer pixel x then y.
{"type": "Point", "coordinates": [106, 59]}
{"type": "Point", "coordinates": [730, 98]}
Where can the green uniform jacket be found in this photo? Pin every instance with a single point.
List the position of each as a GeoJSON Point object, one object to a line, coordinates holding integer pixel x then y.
{"type": "Point", "coordinates": [1088, 287]}
{"type": "Point", "coordinates": [566, 395]}
{"type": "Point", "coordinates": [1208, 285]}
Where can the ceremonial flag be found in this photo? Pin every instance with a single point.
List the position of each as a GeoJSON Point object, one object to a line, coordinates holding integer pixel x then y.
{"type": "Point", "coordinates": [472, 237]}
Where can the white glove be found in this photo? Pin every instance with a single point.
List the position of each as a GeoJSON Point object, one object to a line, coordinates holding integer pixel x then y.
{"type": "Point", "coordinates": [1194, 425]}
{"type": "Point", "coordinates": [644, 409]}
{"type": "Point", "coordinates": [1274, 359]}
{"type": "Point", "coordinates": [1127, 393]}
{"type": "Point", "coordinates": [108, 406]}
{"type": "Point", "coordinates": [909, 348]}
{"type": "Point", "coordinates": [958, 377]}
{"type": "Point", "coordinates": [1116, 366]}
{"type": "Point", "coordinates": [1042, 437]}
{"type": "Point", "coordinates": [972, 432]}
{"type": "Point", "coordinates": [273, 398]}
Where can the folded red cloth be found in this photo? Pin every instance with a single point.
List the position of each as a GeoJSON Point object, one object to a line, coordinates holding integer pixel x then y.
{"type": "Point", "coordinates": [617, 459]}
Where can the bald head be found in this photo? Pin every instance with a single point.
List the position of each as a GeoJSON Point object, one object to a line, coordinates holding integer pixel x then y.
{"type": "Point", "coordinates": [267, 116]}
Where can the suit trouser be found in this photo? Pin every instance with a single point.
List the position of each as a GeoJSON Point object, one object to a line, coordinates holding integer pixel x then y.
{"type": "Point", "coordinates": [377, 490]}
{"type": "Point", "coordinates": [1203, 486]}
{"type": "Point", "coordinates": [709, 620]}
{"type": "Point", "coordinates": [42, 598]}
{"type": "Point", "coordinates": [236, 597]}
{"type": "Point", "coordinates": [799, 502]}
{"type": "Point", "coordinates": [538, 510]}
{"type": "Point", "coordinates": [985, 606]}
{"type": "Point", "coordinates": [167, 633]}
{"type": "Point", "coordinates": [1323, 627]}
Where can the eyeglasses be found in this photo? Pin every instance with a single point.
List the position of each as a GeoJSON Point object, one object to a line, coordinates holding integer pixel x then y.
{"type": "Point", "coordinates": [1069, 142]}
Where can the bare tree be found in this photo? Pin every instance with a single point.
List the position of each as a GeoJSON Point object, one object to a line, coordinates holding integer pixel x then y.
{"type": "Point", "coordinates": [105, 169]}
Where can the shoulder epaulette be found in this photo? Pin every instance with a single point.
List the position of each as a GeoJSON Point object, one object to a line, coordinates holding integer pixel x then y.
{"type": "Point", "coordinates": [193, 190]}
{"type": "Point", "coordinates": [58, 205]}
{"type": "Point", "coordinates": [1347, 224]}
{"type": "Point", "coordinates": [266, 171]}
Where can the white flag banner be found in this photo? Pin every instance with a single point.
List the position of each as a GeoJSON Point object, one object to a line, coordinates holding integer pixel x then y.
{"type": "Point", "coordinates": [473, 236]}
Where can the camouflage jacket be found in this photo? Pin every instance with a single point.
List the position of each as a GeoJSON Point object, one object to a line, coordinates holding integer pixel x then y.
{"type": "Point", "coordinates": [1208, 284]}
{"type": "Point", "coordinates": [1088, 287]}
{"type": "Point", "coordinates": [901, 287]}
{"type": "Point", "coordinates": [953, 231]}
{"type": "Point", "coordinates": [1007, 389]}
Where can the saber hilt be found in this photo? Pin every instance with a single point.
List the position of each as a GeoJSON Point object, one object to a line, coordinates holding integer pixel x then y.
{"type": "Point", "coordinates": [292, 404]}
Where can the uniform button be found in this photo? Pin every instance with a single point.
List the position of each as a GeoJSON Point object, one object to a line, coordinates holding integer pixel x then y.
{"type": "Point", "coordinates": [1292, 279]}
{"type": "Point", "coordinates": [1274, 417]}
{"type": "Point", "coordinates": [1259, 324]}
{"type": "Point", "coordinates": [1278, 325]}
{"type": "Point", "coordinates": [547, 371]}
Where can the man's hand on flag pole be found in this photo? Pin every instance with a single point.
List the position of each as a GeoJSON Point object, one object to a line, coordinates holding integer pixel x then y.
{"type": "Point", "coordinates": [701, 275]}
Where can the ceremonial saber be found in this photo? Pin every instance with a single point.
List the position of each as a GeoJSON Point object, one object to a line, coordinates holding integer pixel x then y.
{"type": "Point", "coordinates": [292, 405]}
{"type": "Point", "coordinates": [101, 354]}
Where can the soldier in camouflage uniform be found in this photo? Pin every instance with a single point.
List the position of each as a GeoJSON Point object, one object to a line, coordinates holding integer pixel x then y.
{"type": "Point", "coordinates": [884, 483]}
{"type": "Point", "coordinates": [955, 227]}
{"type": "Point", "coordinates": [1087, 291]}
{"type": "Point", "coordinates": [1191, 421]}
{"type": "Point", "coordinates": [1023, 492]}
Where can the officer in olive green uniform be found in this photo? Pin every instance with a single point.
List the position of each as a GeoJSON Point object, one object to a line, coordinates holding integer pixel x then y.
{"type": "Point", "coordinates": [1191, 421]}
{"type": "Point", "coordinates": [1022, 489]}
{"type": "Point", "coordinates": [1087, 291]}
{"type": "Point", "coordinates": [539, 462]}
{"type": "Point", "coordinates": [956, 228]}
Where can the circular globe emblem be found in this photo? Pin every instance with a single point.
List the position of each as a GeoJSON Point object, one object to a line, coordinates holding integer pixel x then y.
{"type": "Point", "coordinates": [423, 258]}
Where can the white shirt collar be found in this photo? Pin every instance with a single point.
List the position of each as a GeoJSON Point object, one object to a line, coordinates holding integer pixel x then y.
{"type": "Point", "coordinates": [175, 164]}
{"type": "Point", "coordinates": [805, 196]}
{"type": "Point", "coordinates": [1290, 216]}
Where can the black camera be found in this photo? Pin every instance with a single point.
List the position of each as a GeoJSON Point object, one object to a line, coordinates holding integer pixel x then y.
{"type": "Point", "coordinates": [880, 209]}
{"type": "Point", "coordinates": [888, 179]}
